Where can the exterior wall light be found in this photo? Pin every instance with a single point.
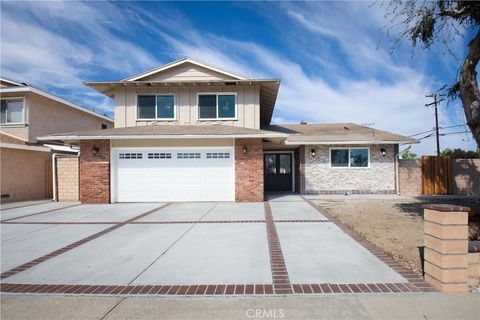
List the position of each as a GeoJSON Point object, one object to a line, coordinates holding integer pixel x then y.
{"type": "Point", "coordinates": [245, 149]}
{"type": "Point", "coordinates": [312, 152]}
{"type": "Point", "coordinates": [383, 151]}
{"type": "Point", "coordinates": [94, 151]}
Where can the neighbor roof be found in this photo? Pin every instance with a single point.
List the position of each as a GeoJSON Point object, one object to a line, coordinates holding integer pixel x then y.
{"type": "Point", "coordinates": [268, 87]}
{"type": "Point", "coordinates": [166, 131]}
{"type": "Point", "coordinates": [337, 133]}
{"type": "Point", "coordinates": [28, 88]}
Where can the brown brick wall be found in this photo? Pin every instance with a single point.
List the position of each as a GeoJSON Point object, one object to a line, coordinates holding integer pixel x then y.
{"type": "Point", "coordinates": [67, 178]}
{"type": "Point", "coordinates": [410, 177]}
{"type": "Point", "coordinates": [249, 170]}
{"type": "Point", "coordinates": [95, 172]}
{"type": "Point", "coordinates": [466, 177]}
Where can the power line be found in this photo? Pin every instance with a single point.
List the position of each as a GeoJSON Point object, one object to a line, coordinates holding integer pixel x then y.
{"type": "Point", "coordinates": [455, 126]}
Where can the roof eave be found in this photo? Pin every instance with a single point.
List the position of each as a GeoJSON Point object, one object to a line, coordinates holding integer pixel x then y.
{"type": "Point", "coordinates": [355, 142]}
{"type": "Point", "coordinates": [158, 136]}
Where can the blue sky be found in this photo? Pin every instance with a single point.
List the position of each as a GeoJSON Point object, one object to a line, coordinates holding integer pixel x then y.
{"type": "Point", "coordinates": [333, 57]}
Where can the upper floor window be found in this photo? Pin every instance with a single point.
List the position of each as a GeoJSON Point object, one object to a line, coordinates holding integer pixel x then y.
{"type": "Point", "coordinates": [12, 110]}
{"type": "Point", "coordinates": [350, 157]}
{"type": "Point", "coordinates": [217, 106]}
{"type": "Point", "coordinates": [156, 107]}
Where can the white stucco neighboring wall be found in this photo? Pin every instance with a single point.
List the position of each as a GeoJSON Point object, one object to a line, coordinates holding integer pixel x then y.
{"type": "Point", "coordinates": [379, 177]}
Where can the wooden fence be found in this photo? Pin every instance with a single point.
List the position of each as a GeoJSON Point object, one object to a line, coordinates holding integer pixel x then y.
{"type": "Point", "coordinates": [436, 175]}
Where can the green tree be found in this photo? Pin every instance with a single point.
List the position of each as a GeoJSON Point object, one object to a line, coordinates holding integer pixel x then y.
{"type": "Point", "coordinates": [427, 22]}
{"type": "Point", "coordinates": [406, 154]}
{"type": "Point", "coordinates": [458, 153]}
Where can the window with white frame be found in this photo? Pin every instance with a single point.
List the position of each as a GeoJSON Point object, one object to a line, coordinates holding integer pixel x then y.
{"type": "Point", "coordinates": [156, 107]}
{"type": "Point", "coordinates": [350, 157]}
{"type": "Point", "coordinates": [12, 111]}
{"type": "Point", "coordinates": [217, 106]}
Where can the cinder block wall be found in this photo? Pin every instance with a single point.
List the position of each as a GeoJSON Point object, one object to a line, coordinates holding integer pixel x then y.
{"type": "Point", "coordinates": [410, 177]}
{"type": "Point", "coordinates": [466, 177]}
{"type": "Point", "coordinates": [474, 268]}
{"type": "Point", "coordinates": [465, 174]}
{"type": "Point", "coordinates": [67, 178]}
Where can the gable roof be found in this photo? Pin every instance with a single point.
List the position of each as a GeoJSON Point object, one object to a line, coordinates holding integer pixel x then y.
{"type": "Point", "coordinates": [179, 62]}
{"type": "Point", "coordinates": [337, 133]}
{"type": "Point", "coordinates": [26, 88]}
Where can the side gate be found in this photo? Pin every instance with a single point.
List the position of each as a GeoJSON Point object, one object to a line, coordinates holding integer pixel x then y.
{"type": "Point", "coordinates": [436, 175]}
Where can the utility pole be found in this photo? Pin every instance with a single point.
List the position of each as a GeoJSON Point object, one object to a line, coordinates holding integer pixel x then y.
{"type": "Point", "coordinates": [435, 102]}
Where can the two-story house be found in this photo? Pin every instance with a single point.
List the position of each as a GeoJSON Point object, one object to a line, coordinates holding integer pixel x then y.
{"type": "Point", "coordinates": [26, 113]}
{"type": "Point", "coordinates": [187, 131]}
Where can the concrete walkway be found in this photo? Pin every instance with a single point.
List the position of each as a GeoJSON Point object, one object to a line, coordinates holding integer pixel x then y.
{"type": "Point", "coordinates": [430, 306]}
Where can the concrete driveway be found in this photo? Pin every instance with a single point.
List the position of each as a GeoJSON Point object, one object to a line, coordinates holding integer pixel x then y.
{"type": "Point", "coordinates": [282, 246]}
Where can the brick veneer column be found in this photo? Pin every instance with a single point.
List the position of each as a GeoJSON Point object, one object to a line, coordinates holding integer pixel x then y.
{"type": "Point", "coordinates": [249, 170]}
{"type": "Point", "coordinates": [95, 171]}
{"type": "Point", "coordinates": [446, 247]}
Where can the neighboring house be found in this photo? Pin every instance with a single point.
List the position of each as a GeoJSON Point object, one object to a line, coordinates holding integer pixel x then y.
{"type": "Point", "coordinates": [26, 113]}
{"type": "Point", "coordinates": [187, 131]}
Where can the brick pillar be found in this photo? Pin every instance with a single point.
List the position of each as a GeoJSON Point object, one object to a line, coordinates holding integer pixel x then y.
{"type": "Point", "coordinates": [95, 171]}
{"type": "Point", "coordinates": [249, 170]}
{"type": "Point", "coordinates": [446, 247]}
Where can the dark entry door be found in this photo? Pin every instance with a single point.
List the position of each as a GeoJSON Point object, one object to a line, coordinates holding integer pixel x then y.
{"type": "Point", "coordinates": [278, 171]}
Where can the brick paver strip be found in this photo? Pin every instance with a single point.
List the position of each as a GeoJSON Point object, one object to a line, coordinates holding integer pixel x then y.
{"type": "Point", "coordinates": [413, 279]}
{"type": "Point", "coordinates": [277, 261]}
{"type": "Point", "coordinates": [76, 244]}
{"type": "Point", "coordinates": [195, 290]}
{"type": "Point", "coordinates": [37, 213]}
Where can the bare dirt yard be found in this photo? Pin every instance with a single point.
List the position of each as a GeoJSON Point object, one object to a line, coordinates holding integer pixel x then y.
{"type": "Point", "coordinates": [395, 225]}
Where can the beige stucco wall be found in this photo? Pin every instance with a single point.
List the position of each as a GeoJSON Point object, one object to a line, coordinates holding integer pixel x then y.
{"type": "Point", "coordinates": [23, 174]}
{"type": "Point", "coordinates": [67, 178]}
{"type": "Point", "coordinates": [44, 116]}
{"type": "Point", "coordinates": [186, 101]}
{"type": "Point", "coordinates": [319, 177]}
{"type": "Point", "coordinates": [177, 143]}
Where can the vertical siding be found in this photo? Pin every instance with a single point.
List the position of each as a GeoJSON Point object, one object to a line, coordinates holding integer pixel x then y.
{"type": "Point", "coordinates": [248, 108]}
{"type": "Point", "coordinates": [119, 114]}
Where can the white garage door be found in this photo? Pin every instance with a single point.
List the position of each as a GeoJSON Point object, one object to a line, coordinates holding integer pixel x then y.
{"type": "Point", "coordinates": [187, 174]}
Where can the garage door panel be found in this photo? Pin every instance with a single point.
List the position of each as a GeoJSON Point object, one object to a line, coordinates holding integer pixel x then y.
{"type": "Point", "coordinates": [195, 176]}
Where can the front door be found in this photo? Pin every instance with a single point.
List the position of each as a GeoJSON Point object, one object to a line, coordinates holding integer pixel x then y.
{"type": "Point", "coordinates": [278, 171]}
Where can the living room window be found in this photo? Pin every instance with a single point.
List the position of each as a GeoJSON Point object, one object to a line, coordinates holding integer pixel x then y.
{"type": "Point", "coordinates": [156, 107]}
{"type": "Point", "coordinates": [12, 111]}
{"type": "Point", "coordinates": [215, 106]}
{"type": "Point", "coordinates": [349, 157]}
